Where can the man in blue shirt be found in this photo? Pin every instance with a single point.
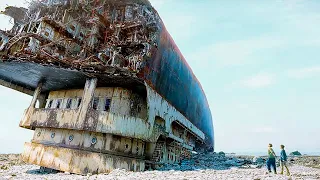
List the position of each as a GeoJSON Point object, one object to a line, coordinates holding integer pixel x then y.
{"type": "Point", "coordinates": [283, 160]}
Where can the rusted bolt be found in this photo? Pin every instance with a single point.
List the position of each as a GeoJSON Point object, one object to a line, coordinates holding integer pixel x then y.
{"type": "Point", "coordinates": [39, 133]}
{"type": "Point", "coordinates": [53, 135]}
{"type": "Point", "coordinates": [71, 138]}
{"type": "Point", "coordinates": [94, 140]}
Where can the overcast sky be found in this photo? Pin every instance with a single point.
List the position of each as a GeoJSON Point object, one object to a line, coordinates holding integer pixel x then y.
{"type": "Point", "coordinates": [258, 63]}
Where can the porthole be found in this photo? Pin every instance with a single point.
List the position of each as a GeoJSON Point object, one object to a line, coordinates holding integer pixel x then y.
{"type": "Point", "coordinates": [38, 134]}
{"type": "Point", "coordinates": [94, 140]}
{"type": "Point", "coordinates": [71, 138]}
{"type": "Point", "coordinates": [53, 135]}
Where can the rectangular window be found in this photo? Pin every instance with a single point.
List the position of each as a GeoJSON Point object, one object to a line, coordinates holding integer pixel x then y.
{"type": "Point", "coordinates": [107, 105]}
{"type": "Point", "coordinates": [59, 103]}
{"type": "Point", "coordinates": [79, 102]}
{"type": "Point", "coordinates": [69, 101]}
{"type": "Point", "coordinates": [95, 103]}
{"type": "Point", "coordinates": [48, 32]}
{"type": "Point", "coordinates": [49, 103]}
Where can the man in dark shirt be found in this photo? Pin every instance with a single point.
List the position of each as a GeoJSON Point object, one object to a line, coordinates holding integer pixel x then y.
{"type": "Point", "coordinates": [283, 160]}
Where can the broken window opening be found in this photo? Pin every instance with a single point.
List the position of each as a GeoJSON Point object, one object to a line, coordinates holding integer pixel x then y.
{"type": "Point", "coordinates": [118, 15]}
{"type": "Point", "coordinates": [1, 41]}
{"type": "Point", "coordinates": [69, 102]}
{"type": "Point", "coordinates": [95, 103]}
{"type": "Point", "coordinates": [50, 103]}
{"type": "Point", "coordinates": [79, 102]}
{"type": "Point", "coordinates": [59, 103]}
{"type": "Point", "coordinates": [35, 28]}
{"type": "Point", "coordinates": [25, 28]}
{"type": "Point", "coordinates": [107, 105]}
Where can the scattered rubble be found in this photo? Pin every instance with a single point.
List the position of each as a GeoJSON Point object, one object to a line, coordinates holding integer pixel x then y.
{"type": "Point", "coordinates": [199, 166]}
{"type": "Point", "coordinates": [217, 161]}
{"type": "Point", "coordinates": [214, 166]}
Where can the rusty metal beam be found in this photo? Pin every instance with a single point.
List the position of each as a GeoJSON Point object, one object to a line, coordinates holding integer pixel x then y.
{"type": "Point", "coordinates": [36, 94]}
{"type": "Point", "coordinates": [87, 96]}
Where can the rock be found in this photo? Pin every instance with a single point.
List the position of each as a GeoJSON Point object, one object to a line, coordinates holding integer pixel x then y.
{"type": "Point", "coordinates": [210, 149]}
{"type": "Point", "coordinates": [231, 163]}
{"type": "Point", "coordinates": [47, 170]}
{"type": "Point", "coordinates": [295, 153]}
{"type": "Point", "coordinates": [221, 153]}
{"type": "Point", "coordinates": [258, 160]}
{"type": "Point", "coordinates": [4, 167]}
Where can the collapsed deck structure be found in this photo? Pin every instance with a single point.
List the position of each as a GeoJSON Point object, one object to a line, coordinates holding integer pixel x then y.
{"type": "Point", "coordinates": [113, 89]}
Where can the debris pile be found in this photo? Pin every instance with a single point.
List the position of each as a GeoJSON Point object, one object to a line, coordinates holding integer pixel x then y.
{"type": "Point", "coordinates": [219, 161]}
{"type": "Point", "coordinates": [90, 36]}
{"type": "Point", "coordinates": [202, 161]}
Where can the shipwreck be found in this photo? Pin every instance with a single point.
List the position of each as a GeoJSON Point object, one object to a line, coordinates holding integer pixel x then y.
{"type": "Point", "coordinates": [110, 87]}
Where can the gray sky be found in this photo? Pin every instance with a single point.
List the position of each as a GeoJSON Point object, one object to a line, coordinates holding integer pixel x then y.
{"type": "Point", "coordinates": [257, 61]}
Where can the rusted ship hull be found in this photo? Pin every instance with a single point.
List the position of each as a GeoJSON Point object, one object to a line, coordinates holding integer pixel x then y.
{"type": "Point", "coordinates": [170, 75]}
{"type": "Point", "coordinates": [112, 92]}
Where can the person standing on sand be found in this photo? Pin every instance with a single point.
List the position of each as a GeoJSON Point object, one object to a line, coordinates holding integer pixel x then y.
{"type": "Point", "coordinates": [271, 160]}
{"type": "Point", "coordinates": [283, 160]}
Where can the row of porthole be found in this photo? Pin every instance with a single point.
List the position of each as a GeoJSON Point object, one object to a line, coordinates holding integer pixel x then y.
{"type": "Point", "coordinates": [71, 137]}
{"type": "Point", "coordinates": [93, 140]}
{"type": "Point", "coordinates": [127, 146]}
